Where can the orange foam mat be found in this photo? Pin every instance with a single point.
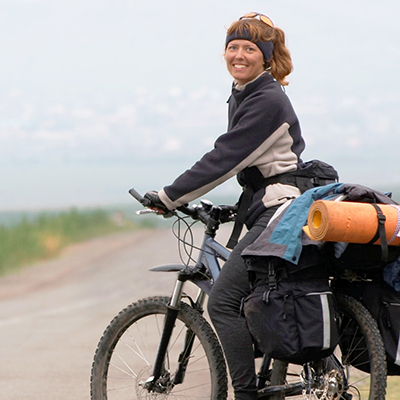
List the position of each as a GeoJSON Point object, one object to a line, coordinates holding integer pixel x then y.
{"type": "Point", "coordinates": [342, 221]}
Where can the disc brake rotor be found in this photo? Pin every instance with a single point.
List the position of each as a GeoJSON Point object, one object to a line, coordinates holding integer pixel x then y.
{"type": "Point", "coordinates": [332, 388]}
{"type": "Point", "coordinates": [160, 392]}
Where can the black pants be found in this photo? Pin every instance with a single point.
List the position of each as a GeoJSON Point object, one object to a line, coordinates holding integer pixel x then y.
{"type": "Point", "coordinates": [224, 309]}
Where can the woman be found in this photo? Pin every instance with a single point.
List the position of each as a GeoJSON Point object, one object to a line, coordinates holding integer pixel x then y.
{"type": "Point", "coordinates": [263, 140]}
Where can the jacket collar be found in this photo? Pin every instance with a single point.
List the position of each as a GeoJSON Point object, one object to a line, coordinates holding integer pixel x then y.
{"type": "Point", "coordinates": [245, 90]}
{"type": "Point", "coordinates": [239, 87]}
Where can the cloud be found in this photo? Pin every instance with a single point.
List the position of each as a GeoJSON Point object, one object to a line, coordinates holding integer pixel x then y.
{"type": "Point", "coordinates": [81, 88]}
{"type": "Point", "coordinates": [172, 145]}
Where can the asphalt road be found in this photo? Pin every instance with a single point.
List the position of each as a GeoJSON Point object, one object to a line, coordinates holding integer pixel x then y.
{"type": "Point", "coordinates": [52, 315]}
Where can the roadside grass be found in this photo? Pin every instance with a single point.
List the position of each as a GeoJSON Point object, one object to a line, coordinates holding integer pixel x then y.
{"type": "Point", "coordinates": [44, 237]}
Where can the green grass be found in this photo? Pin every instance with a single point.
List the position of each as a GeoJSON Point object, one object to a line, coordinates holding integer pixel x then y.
{"type": "Point", "coordinates": [45, 236]}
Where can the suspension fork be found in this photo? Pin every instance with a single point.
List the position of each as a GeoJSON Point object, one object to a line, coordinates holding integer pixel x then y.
{"type": "Point", "coordinates": [188, 345]}
{"type": "Point", "coordinates": [173, 309]}
{"type": "Point", "coordinates": [169, 323]}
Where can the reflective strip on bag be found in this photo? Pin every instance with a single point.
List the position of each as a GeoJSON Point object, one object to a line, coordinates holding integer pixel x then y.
{"type": "Point", "coordinates": [326, 318]}
{"type": "Point", "coordinates": [397, 360]}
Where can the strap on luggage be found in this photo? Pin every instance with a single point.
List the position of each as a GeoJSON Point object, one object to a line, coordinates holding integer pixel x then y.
{"type": "Point", "coordinates": [381, 233]}
{"type": "Point", "coordinates": [244, 204]}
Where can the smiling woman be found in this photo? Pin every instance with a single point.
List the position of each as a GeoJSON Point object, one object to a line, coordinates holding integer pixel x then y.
{"type": "Point", "coordinates": [263, 141]}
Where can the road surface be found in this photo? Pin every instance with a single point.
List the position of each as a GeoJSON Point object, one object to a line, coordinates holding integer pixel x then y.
{"type": "Point", "coordinates": [53, 314]}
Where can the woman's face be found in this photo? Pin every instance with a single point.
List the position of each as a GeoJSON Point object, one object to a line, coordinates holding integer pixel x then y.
{"type": "Point", "coordinates": [244, 60]}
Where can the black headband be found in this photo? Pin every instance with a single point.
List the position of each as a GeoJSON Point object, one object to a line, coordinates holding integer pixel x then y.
{"type": "Point", "coordinates": [266, 47]}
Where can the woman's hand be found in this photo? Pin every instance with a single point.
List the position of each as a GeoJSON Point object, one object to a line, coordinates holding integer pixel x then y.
{"type": "Point", "coordinates": [152, 201]}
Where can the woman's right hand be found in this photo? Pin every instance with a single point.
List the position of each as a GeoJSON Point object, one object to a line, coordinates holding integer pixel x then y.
{"type": "Point", "coordinates": [152, 201]}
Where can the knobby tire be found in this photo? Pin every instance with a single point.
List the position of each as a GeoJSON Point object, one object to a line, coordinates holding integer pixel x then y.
{"type": "Point", "coordinates": [126, 352]}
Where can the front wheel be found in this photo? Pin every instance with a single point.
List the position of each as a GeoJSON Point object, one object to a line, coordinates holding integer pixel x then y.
{"type": "Point", "coordinates": [356, 371]}
{"type": "Point", "coordinates": [125, 355]}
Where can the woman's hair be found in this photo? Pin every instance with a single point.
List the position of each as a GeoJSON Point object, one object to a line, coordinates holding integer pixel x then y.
{"type": "Point", "coordinates": [281, 63]}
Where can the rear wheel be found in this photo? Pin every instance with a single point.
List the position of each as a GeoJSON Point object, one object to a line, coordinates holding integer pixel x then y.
{"type": "Point", "coordinates": [125, 355]}
{"type": "Point", "coordinates": [356, 371]}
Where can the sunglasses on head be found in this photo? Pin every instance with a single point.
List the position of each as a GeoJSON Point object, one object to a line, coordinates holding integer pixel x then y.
{"type": "Point", "coordinates": [260, 17]}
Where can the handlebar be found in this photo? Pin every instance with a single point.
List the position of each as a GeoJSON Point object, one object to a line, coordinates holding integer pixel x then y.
{"type": "Point", "coordinates": [204, 212]}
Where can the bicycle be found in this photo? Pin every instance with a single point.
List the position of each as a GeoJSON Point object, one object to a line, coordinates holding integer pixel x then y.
{"type": "Point", "coordinates": [161, 347]}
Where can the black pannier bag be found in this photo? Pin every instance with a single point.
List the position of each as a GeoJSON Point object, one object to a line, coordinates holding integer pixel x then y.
{"type": "Point", "coordinates": [383, 302]}
{"type": "Point", "coordinates": [291, 317]}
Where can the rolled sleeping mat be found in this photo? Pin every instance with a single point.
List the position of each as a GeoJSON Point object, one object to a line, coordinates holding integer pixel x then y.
{"type": "Point", "coordinates": [351, 222]}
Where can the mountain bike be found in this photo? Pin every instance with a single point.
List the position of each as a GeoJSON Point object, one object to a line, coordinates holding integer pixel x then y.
{"type": "Point", "coordinates": [163, 347]}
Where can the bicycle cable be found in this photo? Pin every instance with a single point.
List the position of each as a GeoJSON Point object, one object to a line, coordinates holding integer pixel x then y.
{"type": "Point", "coordinates": [182, 240]}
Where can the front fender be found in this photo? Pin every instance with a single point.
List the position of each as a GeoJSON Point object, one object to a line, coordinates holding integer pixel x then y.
{"type": "Point", "coordinates": [202, 284]}
{"type": "Point", "coordinates": [168, 268]}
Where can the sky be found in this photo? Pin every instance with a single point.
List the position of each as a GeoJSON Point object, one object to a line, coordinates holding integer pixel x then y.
{"type": "Point", "coordinates": [98, 96]}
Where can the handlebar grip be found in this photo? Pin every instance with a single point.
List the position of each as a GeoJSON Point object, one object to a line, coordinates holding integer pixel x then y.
{"type": "Point", "coordinates": [139, 197]}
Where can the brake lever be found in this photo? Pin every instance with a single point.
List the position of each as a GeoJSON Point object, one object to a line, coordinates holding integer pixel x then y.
{"type": "Point", "coordinates": [147, 211]}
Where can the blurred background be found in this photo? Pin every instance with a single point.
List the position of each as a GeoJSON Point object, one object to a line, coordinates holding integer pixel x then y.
{"type": "Point", "coordinates": [97, 96]}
